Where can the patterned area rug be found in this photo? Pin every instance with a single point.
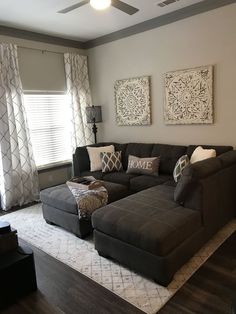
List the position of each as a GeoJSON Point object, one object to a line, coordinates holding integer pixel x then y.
{"type": "Point", "coordinates": [81, 255]}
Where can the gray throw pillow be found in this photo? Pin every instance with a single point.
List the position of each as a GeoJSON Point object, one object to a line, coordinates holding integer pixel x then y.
{"type": "Point", "coordinates": [149, 166]}
{"type": "Point", "coordinates": [111, 161]}
{"type": "Point", "coordinates": [181, 164]}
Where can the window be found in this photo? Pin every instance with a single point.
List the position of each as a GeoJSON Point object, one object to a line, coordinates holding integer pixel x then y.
{"type": "Point", "coordinates": [49, 125]}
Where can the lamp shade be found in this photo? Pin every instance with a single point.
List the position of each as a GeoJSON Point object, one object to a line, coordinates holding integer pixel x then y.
{"type": "Point", "coordinates": [94, 114]}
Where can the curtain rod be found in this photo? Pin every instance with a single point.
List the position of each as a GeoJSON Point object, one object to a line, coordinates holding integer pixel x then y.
{"type": "Point", "coordinates": [42, 50]}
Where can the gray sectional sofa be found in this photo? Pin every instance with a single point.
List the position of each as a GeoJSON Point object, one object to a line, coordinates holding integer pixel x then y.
{"type": "Point", "coordinates": [161, 224]}
{"type": "Point", "coordinates": [169, 155]}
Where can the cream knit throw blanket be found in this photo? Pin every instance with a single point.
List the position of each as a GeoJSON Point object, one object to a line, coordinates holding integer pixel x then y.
{"type": "Point", "coordinates": [88, 200]}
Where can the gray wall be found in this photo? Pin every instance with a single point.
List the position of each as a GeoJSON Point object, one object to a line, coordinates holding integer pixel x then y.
{"type": "Point", "coordinates": [208, 38]}
{"type": "Point", "coordinates": [43, 70]}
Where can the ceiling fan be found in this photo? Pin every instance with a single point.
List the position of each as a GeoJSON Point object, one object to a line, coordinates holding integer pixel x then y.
{"type": "Point", "coordinates": [103, 4]}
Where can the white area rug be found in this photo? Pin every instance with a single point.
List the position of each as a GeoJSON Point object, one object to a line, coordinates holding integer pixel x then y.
{"type": "Point", "coordinates": [81, 255]}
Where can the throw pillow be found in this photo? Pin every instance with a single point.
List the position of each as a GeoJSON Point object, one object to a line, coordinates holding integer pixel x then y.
{"type": "Point", "coordinates": [111, 162]}
{"type": "Point", "coordinates": [182, 163]}
{"type": "Point", "coordinates": [95, 156]}
{"type": "Point", "coordinates": [201, 154]}
{"type": "Point", "coordinates": [149, 166]}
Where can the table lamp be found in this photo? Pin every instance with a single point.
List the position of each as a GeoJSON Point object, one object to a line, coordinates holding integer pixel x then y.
{"type": "Point", "coordinates": [94, 115]}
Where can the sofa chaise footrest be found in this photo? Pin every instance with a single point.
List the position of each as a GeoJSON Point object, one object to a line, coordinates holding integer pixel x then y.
{"type": "Point", "coordinates": [144, 230]}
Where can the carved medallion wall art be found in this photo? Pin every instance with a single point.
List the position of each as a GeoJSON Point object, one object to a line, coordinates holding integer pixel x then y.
{"type": "Point", "coordinates": [132, 100]}
{"type": "Point", "coordinates": [189, 96]}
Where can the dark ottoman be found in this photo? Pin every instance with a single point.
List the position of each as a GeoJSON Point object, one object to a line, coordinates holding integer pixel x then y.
{"type": "Point", "coordinates": [60, 208]}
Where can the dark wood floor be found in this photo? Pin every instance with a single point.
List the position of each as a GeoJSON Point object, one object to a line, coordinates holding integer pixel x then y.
{"type": "Point", "coordinates": [211, 289]}
{"type": "Point", "coordinates": [63, 290]}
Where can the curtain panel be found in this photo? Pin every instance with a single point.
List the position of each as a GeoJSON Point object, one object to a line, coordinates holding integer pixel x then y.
{"type": "Point", "coordinates": [79, 94]}
{"type": "Point", "coordinates": [18, 173]}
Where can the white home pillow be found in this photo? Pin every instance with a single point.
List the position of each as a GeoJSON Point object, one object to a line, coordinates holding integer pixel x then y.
{"type": "Point", "coordinates": [95, 156]}
{"type": "Point", "coordinates": [148, 165]}
{"type": "Point", "coordinates": [201, 154]}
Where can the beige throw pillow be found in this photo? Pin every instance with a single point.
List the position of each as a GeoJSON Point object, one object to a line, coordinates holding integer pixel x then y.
{"type": "Point", "coordinates": [95, 156]}
{"type": "Point", "coordinates": [201, 154]}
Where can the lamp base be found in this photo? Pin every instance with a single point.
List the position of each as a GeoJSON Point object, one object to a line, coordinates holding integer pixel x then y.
{"type": "Point", "coordinates": [95, 129]}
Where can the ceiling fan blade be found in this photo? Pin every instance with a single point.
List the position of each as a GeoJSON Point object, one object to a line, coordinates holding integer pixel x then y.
{"type": "Point", "coordinates": [74, 6]}
{"type": "Point", "coordinates": [124, 7]}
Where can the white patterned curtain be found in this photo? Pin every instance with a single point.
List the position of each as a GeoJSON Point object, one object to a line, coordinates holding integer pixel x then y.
{"type": "Point", "coordinates": [18, 173]}
{"type": "Point", "coordinates": [78, 90]}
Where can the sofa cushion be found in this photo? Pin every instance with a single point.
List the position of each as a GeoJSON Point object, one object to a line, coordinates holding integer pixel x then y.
{"type": "Point", "coordinates": [119, 177]}
{"type": "Point", "coordinates": [96, 174]}
{"type": "Point", "coordinates": [137, 149]}
{"type": "Point", "coordinates": [170, 183]}
{"type": "Point", "coordinates": [122, 148]}
{"type": "Point", "coordinates": [59, 197]}
{"type": "Point", "coordinates": [115, 191]}
{"type": "Point", "coordinates": [144, 182]}
{"type": "Point", "coordinates": [228, 159]}
{"type": "Point", "coordinates": [149, 220]}
{"type": "Point", "coordinates": [169, 155]}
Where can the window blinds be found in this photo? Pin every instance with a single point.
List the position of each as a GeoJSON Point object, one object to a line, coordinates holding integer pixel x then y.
{"type": "Point", "coordinates": [49, 125]}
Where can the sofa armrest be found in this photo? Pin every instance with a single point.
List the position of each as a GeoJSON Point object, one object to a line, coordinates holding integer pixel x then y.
{"type": "Point", "coordinates": [75, 168]}
{"type": "Point", "coordinates": [191, 179]}
{"type": "Point", "coordinates": [208, 186]}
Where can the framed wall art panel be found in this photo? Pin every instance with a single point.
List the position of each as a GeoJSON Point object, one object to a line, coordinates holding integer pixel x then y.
{"type": "Point", "coordinates": [132, 101]}
{"type": "Point", "coordinates": [189, 96]}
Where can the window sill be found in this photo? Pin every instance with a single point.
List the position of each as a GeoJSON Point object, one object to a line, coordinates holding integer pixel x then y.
{"type": "Point", "coordinates": [54, 166]}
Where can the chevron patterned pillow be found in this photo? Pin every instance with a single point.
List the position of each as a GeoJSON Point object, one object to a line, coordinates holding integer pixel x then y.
{"type": "Point", "coordinates": [111, 162]}
{"type": "Point", "coordinates": [179, 167]}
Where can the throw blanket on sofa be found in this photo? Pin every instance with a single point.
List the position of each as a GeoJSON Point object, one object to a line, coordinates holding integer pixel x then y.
{"type": "Point", "coordinates": [89, 200]}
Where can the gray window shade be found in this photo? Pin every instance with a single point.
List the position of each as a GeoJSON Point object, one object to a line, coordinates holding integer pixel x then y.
{"type": "Point", "coordinates": [41, 71]}
{"type": "Point", "coordinates": [49, 124]}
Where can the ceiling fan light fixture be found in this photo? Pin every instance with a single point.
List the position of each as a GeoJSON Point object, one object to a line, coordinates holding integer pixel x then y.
{"type": "Point", "coordinates": [100, 4]}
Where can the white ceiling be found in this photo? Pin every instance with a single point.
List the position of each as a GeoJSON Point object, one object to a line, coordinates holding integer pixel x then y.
{"type": "Point", "coordinates": [82, 24]}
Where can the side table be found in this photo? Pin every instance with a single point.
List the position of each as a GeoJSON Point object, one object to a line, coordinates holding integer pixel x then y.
{"type": "Point", "coordinates": [17, 275]}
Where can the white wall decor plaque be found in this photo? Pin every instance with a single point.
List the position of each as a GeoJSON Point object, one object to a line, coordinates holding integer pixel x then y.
{"type": "Point", "coordinates": [189, 96]}
{"type": "Point", "coordinates": [132, 100]}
